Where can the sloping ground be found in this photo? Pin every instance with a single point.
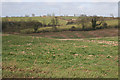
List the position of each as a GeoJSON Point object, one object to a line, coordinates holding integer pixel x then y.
{"type": "Point", "coordinates": [79, 34]}
{"type": "Point", "coordinates": [38, 57]}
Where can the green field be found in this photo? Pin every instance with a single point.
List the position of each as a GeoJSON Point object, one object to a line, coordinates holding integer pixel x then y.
{"type": "Point", "coordinates": [60, 52]}
{"type": "Point", "coordinates": [43, 57]}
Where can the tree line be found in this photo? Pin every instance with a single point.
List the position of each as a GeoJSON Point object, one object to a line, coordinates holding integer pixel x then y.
{"type": "Point", "coordinates": [54, 22]}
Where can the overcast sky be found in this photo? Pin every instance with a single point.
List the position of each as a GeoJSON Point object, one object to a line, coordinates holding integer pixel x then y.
{"type": "Point", "coordinates": [41, 7]}
{"type": "Point", "coordinates": [59, 0]}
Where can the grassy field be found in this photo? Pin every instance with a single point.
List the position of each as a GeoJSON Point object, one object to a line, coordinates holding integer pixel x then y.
{"type": "Point", "coordinates": [40, 19]}
{"type": "Point", "coordinates": [60, 54]}
{"type": "Point", "coordinates": [66, 56]}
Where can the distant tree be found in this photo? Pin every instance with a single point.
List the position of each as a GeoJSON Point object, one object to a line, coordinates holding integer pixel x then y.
{"type": "Point", "coordinates": [36, 25]}
{"type": "Point", "coordinates": [82, 21]}
{"type": "Point", "coordinates": [53, 14]}
{"type": "Point", "coordinates": [103, 22]}
{"type": "Point", "coordinates": [26, 15]}
{"type": "Point", "coordinates": [44, 23]}
{"type": "Point", "coordinates": [54, 22]}
{"type": "Point", "coordinates": [83, 15]}
{"type": "Point", "coordinates": [104, 25]}
{"type": "Point", "coordinates": [94, 21]}
{"type": "Point", "coordinates": [111, 15]}
{"type": "Point", "coordinates": [33, 15]}
{"type": "Point", "coordinates": [48, 15]}
{"type": "Point", "coordinates": [7, 16]}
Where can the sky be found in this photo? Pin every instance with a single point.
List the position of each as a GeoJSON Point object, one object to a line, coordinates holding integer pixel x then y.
{"type": "Point", "coordinates": [64, 7]}
{"type": "Point", "coordinates": [60, 0]}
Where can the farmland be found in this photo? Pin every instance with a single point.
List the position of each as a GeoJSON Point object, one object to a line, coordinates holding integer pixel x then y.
{"type": "Point", "coordinates": [34, 56]}
{"type": "Point", "coordinates": [60, 54]}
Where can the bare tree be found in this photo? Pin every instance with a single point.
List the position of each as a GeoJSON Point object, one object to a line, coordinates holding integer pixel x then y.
{"type": "Point", "coordinates": [44, 23]}
{"type": "Point", "coordinates": [53, 14]}
{"type": "Point", "coordinates": [54, 22]}
{"type": "Point", "coordinates": [82, 21]}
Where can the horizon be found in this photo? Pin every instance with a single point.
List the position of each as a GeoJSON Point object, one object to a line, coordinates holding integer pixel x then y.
{"type": "Point", "coordinates": [15, 9]}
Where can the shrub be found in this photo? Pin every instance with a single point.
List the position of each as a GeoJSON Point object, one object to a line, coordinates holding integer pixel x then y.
{"type": "Point", "coordinates": [54, 22]}
{"type": "Point", "coordinates": [104, 25]}
{"type": "Point", "coordinates": [36, 25]}
{"type": "Point", "coordinates": [35, 28]}
{"type": "Point", "coordinates": [17, 26]}
{"type": "Point", "coordinates": [94, 21]}
{"type": "Point", "coordinates": [73, 28]}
